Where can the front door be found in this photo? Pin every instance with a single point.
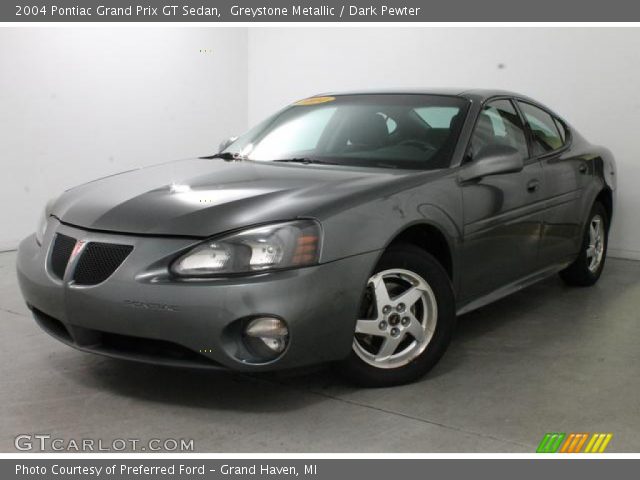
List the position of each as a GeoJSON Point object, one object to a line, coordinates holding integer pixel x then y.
{"type": "Point", "coordinates": [502, 213]}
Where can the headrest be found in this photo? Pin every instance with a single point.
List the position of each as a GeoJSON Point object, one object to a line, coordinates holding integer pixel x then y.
{"type": "Point", "coordinates": [368, 129]}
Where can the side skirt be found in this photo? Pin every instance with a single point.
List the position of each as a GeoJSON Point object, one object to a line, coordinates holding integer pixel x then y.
{"type": "Point", "coordinates": [511, 288]}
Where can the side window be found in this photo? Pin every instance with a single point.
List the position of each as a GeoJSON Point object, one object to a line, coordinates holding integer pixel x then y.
{"type": "Point", "coordinates": [499, 124]}
{"type": "Point", "coordinates": [546, 136]}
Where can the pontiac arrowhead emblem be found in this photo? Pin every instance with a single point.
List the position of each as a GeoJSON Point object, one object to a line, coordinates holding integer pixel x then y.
{"type": "Point", "coordinates": [77, 248]}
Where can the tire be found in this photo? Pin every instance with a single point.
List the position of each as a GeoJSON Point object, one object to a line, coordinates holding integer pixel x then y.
{"type": "Point", "coordinates": [585, 271]}
{"type": "Point", "coordinates": [420, 328]}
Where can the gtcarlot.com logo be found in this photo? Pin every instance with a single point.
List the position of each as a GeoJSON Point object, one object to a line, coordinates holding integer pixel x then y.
{"type": "Point", "coordinates": [44, 442]}
{"type": "Point", "coordinates": [574, 443]}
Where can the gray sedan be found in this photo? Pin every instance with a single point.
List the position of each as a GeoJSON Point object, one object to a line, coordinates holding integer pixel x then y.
{"type": "Point", "coordinates": [348, 228]}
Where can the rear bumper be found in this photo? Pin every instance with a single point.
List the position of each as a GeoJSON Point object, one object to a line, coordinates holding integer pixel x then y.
{"type": "Point", "coordinates": [140, 313]}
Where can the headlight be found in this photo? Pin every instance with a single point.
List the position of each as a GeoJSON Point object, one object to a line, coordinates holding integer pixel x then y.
{"type": "Point", "coordinates": [270, 247]}
{"type": "Point", "coordinates": [42, 226]}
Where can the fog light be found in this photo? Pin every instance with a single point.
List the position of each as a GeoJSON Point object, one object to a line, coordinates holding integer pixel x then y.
{"type": "Point", "coordinates": [266, 337]}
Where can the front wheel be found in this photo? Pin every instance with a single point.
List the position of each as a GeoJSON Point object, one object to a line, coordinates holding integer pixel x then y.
{"type": "Point", "coordinates": [406, 319]}
{"type": "Point", "coordinates": [586, 269]}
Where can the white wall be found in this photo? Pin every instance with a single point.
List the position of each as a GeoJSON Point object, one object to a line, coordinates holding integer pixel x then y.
{"type": "Point", "coordinates": [590, 76]}
{"type": "Point", "coordinates": [80, 103]}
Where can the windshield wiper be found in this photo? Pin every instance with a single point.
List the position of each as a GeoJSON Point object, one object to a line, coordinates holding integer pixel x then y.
{"type": "Point", "coordinates": [227, 156]}
{"type": "Point", "coordinates": [306, 161]}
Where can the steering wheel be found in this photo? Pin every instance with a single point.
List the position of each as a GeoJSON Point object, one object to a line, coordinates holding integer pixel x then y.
{"type": "Point", "coordinates": [420, 144]}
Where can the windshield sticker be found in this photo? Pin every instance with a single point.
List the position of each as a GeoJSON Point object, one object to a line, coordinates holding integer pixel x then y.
{"type": "Point", "coordinates": [315, 100]}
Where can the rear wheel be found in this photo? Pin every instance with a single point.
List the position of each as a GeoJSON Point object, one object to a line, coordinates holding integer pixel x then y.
{"type": "Point", "coordinates": [406, 319]}
{"type": "Point", "coordinates": [586, 269]}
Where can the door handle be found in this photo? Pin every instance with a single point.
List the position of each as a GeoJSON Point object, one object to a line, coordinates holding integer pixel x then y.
{"type": "Point", "coordinates": [533, 185]}
{"type": "Point", "coordinates": [582, 168]}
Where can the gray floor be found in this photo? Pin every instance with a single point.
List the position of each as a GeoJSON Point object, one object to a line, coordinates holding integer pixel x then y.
{"type": "Point", "coordinates": [549, 358]}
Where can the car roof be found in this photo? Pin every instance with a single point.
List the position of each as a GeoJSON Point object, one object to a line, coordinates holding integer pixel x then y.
{"type": "Point", "coordinates": [480, 94]}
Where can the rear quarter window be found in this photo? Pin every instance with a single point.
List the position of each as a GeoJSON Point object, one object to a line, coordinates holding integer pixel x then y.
{"type": "Point", "coordinates": [545, 130]}
{"type": "Point", "coordinates": [564, 134]}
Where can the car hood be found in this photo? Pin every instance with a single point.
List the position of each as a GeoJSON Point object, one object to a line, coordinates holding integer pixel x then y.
{"type": "Point", "coordinates": [202, 197]}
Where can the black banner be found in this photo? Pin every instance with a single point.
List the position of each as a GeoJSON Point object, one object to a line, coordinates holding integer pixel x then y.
{"type": "Point", "coordinates": [216, 11]}
{"type": "Point", "coordinates": [313, 469]}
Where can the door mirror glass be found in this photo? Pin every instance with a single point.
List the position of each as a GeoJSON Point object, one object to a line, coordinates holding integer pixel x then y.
{"type": "Point", "coordinates": [493, 160]}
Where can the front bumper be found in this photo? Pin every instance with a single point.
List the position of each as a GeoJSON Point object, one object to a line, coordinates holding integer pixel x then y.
{"type": "Point", "coordinates": [140, 313]}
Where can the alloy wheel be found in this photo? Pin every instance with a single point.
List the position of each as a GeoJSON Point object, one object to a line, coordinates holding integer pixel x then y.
{"type": "Point", "coordinates": [595, 248]}
{"type": "Point", "coordinates": [398, 319]}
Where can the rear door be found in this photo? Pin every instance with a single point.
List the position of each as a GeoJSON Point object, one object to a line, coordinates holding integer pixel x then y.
{"type": "Point", "coordinates": [564, 176]}
{"type": "Point", "coordinates": [502, 213]}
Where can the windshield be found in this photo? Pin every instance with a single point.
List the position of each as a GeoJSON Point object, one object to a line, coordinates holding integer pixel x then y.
{"type": "Point", "coordinates": [392, 131]}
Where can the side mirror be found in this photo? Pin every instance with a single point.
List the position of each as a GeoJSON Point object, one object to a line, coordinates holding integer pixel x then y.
{"type": "Point", "coordinates": [493, 160]}
{"type": "Point", "coordinates": [225, 143]}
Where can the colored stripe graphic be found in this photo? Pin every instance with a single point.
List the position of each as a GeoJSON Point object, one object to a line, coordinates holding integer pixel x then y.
{"type": "Point", "coordinates": [550, 443]}
{"type": "Point", "coordinates": [574, 443]}
{"type": "Point", "coordinates": [598, 443]}
{"type": "Point", "coordinates": [556, 442]}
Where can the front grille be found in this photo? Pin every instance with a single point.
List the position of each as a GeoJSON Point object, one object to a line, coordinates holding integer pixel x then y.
{"type": "Point", "coordinates": [98, 262]}
{"type": "Point", "coordinates": [60, 253]}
